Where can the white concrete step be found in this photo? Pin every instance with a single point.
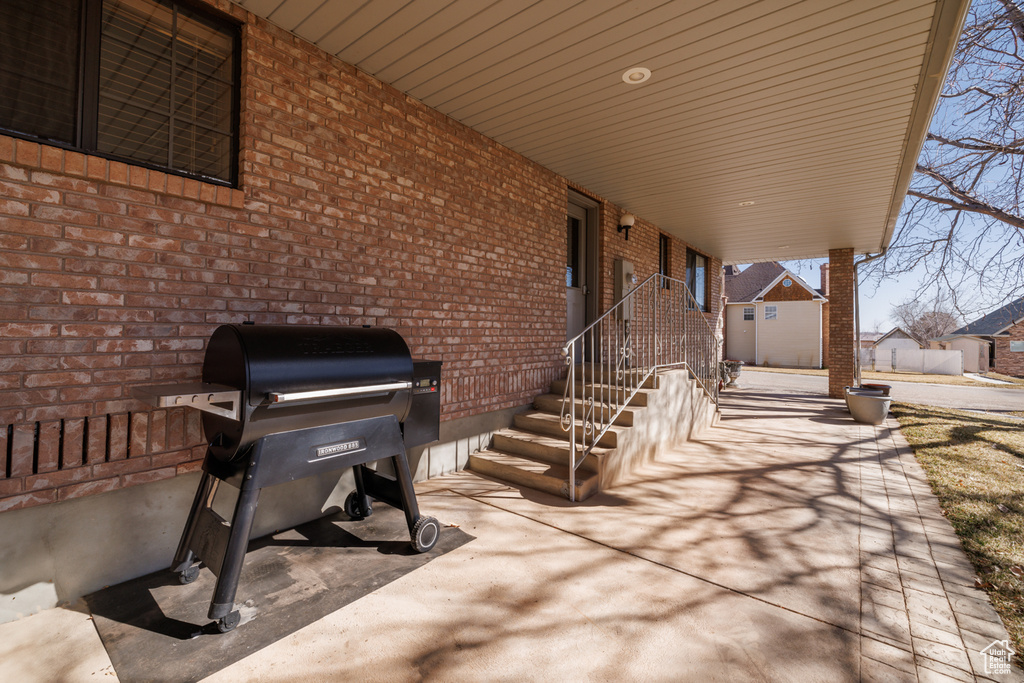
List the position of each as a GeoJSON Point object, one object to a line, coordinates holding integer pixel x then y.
{"type": "Point", "coordinates": [551, 425]}
{"type": "Point", "coordinates": [597, 376]}
{"type": "Point", "coordinates": [552, 450]}
{"type": "Point", "coordinates": [552, 403]}
{"type": "Point", "coordinates": [541, 476]}
{"type": "Point", "coordinates": [641, 398]}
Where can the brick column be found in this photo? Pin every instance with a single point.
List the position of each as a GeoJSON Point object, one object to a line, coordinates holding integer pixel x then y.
{"type": "Point", "coordinates": [841, 342]}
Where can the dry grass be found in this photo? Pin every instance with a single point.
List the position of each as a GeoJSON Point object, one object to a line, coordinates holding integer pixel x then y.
{"type": "Point", "coordinates": [868, 376]}
{"type": "Point", "coordinates": [975, 465]}
{"type": "Point", "coordinates": [1005, 378]}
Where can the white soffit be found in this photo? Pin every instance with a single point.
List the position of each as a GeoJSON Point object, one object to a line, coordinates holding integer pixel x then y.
{"type": "Point", "coordinates": [814, 111]}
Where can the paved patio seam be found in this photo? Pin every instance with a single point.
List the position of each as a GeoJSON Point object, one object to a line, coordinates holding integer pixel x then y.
{"type": "Point", "coordinates": [952, 555]}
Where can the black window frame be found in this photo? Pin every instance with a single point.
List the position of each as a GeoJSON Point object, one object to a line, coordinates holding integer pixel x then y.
{"type": "Point", "coordinates": [86, 133]}
{"type": "Point", "coordinates": [691, 266]}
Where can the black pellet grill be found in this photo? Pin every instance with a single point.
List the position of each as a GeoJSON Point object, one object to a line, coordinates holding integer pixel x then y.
{"type": "Point", "coordinates": [284, 402]}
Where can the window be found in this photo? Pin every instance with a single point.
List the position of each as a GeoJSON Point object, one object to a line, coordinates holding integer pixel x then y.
{"type": "Point", "coordinates": [149, 82]}
{"type": "Point", "coordinates": [663, 260]}
{"type": "Point", "coordinates": [1017, 346]}
{"type": "Point", "coordinates": [771, 312]}
{"type": "Point", "coordinates": [748, 312]}
{"type": "Point", "coordinates": [696, 278]}
{"type": "Point", "coordinates": [787, 282]}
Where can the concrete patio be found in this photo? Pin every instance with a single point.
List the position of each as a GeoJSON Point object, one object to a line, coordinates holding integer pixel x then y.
{"type": "Point", "coordinates": [786, 544]}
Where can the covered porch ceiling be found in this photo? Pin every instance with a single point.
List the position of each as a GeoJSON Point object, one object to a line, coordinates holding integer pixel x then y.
{"type": "Point", "coordinates": [812, 110]}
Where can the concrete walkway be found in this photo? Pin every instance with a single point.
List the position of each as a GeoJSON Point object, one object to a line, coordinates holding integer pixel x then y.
{"type": "Point", "coordinates": [997, 399]}
{"type": "Point", "coordinates": [787, 544]}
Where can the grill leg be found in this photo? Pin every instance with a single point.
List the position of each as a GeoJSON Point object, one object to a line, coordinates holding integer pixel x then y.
{"type": "Point", "coordinates": [234, 555]}
{"type": "Point", "coordinates": [361, 505]}
{"type": "Point", "coordinates": [184, 557]}
{"type": "Point", "coordinates": [404, 477]}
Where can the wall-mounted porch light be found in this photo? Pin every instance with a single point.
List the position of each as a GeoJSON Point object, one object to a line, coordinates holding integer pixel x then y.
{"type": "Point", "coordinates": [626, 222]}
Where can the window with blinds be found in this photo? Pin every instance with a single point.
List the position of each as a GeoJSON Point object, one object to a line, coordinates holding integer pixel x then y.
{"type": "Point", "coordinates": [159, 84]}
{"type": "Point", "coordinates": [696, 278]}
{"type": "Point", "coordinates": [39, 65]}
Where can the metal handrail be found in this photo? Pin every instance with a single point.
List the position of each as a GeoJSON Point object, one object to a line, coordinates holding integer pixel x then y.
{"type": "Point", "coordinates": [654, 326]}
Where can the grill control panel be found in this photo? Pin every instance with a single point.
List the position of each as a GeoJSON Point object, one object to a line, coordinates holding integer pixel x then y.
{"type": "Point", "coordinates": [425, 385]}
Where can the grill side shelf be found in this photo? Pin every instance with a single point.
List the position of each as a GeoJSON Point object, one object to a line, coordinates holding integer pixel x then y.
{"type": "Point", "coordinates": [210, 398]}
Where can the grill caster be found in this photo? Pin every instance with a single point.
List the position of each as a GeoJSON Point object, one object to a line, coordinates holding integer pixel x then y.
{"type": "Point", "coordinates": [354, 506]}
{"type": "Point", "coordinates": [189, 575]}
{"type": "Point", "coordinates": [228, 622]}
{"type": "Point", "coordinates": [425, 533]}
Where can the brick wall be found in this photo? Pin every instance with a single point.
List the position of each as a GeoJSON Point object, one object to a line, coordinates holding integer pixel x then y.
{"type": "Point", "coordinates": [1010, 362]}
{"type": "Point", "coordinates": [356, 205]}
{"type": "Point", "coordinates": [641, 249]}
{"type": "Point", "coordinates": [840, 321]}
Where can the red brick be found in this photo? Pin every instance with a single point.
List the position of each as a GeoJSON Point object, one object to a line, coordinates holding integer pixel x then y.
{"type": "Point", "coordinates": [6, 148]}
{"type": "Point", "coordinates": [27, 153]}
{"type": "Point", "coordinates": [149, 476]}
{"type": "Point", "coordinates": [28, 500]}
{"type": "Point", "coordinates": [72, 446]}
{"type": "Point", "coordinates": [22, 450]}
{"type": "Point", "coordinates": [119, 467]}
{"type": "Point", "coordinates": [118, 436]}
{"type": "Point", "coordinates": [49, 446]}
{"type": "Point", "coordinates": [52, 480]}
{"type": "Point", "coordinates": [158, 431]}
{"type": "Point", "coordinates": [138, 434]}
{"type": "Point", "coordinates": [96, 440]}
{"type": "Point", "coordinates": [87, 488]}
{"type": "Point", "coordinates": [74, 163]}
{"type": "Point", "coordinates": [3, 436]}
{"type": "Point", "coordinates": [188, 467]}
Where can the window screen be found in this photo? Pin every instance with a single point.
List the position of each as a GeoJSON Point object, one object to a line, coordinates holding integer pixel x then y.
{"type": "Point", "coordinates": [159, 84]}
{"type": "Point", "coordinates": [771, 312]}
{"type": "Point", "coordinates": [39, 47]}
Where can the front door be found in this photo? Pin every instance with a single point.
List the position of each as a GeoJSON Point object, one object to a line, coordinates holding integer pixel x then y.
{"type": "Point", "coordinates": [576, 289]}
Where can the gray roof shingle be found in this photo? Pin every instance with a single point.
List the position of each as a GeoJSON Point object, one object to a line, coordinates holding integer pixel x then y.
{"type": "Point", "coordinates": [997, 320]}
{"type": "Point", "coordinates": [746, 285]}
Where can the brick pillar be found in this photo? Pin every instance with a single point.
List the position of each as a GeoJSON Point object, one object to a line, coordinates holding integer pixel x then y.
{"type": "Point", "coordinates": [841, 343]}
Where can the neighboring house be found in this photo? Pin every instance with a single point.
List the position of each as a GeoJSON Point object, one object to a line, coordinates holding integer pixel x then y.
{"type": "Point", "coordinates": [1003, 328]}
{"type": "Point", "coordinates": [976, 350]}
{"type": "Point", "coordinates": [897, 338]}
{"type": "Point", "coordinates": [773, 317]}
{"type": "Point", "coordinates": [868, 339]}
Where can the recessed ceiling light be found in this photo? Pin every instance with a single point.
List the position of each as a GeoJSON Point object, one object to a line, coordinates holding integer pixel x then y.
{"type": "Point", "coordinates": [747, 203]}
{"type": "Point", "coordinates": [636, 75]}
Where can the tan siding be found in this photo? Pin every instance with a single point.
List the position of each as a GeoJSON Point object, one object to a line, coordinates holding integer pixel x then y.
{"type": "Point", "coordinates": [793, 338]}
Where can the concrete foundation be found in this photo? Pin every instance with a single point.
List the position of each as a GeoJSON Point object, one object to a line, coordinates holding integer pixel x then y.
{"type": "Point", "coordinates": [53, 554]}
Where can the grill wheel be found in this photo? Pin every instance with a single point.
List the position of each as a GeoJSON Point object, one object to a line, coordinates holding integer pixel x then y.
{"type": "Point", "coordinates": [425, 534]}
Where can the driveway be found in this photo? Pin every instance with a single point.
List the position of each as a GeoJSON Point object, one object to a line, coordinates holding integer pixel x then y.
{"type": "Point", "coordinates": [993, 399]}
{"type": "Point", "coordinates": [788, 543]}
